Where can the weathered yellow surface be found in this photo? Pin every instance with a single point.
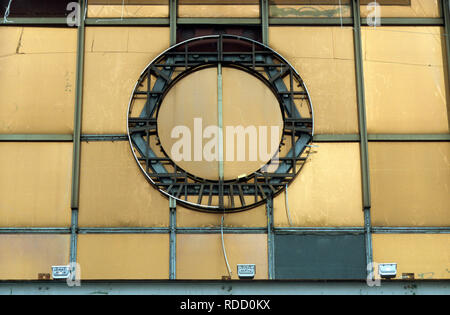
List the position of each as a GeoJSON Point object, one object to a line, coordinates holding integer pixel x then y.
{"type": "Point", "coordinates": [324, 58]}
{"type": "Point", "coordinates": [23, 257]}
{"type": "Point", "coordinates": [249, 9]}
{"type": "Point", "coordinates": [201, 256]}
{"type": "Point", "coordinates": [35, 184]}
{"type": "Point", "coordinates": [115, 58]}
{"type": "Point", "coordinates": [327, 192]}
{"type": "Point", "coordinates": [410, 183]}
{"type": "Point", "coordinates": [295, 9]}
{"type": "Point", "coordinates": [417, 8]}
{"type": "Point", "coordinates": [247, 102]}
{"type": "Point", "coordinates": [255, 217]}
{"type": "Point", "coordinates": [406, 91]}
{"type": "Point", "coordinates": [123, 256]}
{"type": "Point", "coordinates": [127, 11]}
{"type": "Point", "coordinates": [114, 191]}
{"type": "Point", "coordinates": [425, 255]}
{"type": "Point", "coordinates": [37, 79]}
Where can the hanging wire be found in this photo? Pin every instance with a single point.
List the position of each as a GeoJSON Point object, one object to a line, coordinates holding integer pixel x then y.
{"type": "Point", "coordinates": [340, 13]}
{"type": "Point", "coordinates": [224, 250]}
{"type": "Point", "coordinates": [5, 17]}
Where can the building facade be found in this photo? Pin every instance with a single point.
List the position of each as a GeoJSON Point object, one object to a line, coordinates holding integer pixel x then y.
{"type": "Point", "coordinates": [373, 188]}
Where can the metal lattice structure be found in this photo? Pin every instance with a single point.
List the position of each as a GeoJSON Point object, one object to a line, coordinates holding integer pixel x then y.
{"type": "Point", "coordinates": [229, 51]}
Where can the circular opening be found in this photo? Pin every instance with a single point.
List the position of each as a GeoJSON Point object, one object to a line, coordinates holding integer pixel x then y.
{"type": "Point", "coordinates": [189, 123]}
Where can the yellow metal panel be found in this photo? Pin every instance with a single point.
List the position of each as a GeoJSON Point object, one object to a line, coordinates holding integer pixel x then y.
{"type": "Point", "coordinates": [127, 11]}
{"type": "Point", "coordinates": [324, 58]}
{"type": "Point", "coordinates": [195, 97]}
{"type": "Point", "coordinates": [31, 104]}
{"type": "Point", "coordinates": [251, 218]}
{"type": "Point", "coordinates": [114, 191]}
{"type": "Point", "coordinates": [301, 9]}
{"type": "Point", "coordinates": [410, 183]}
{"type": "Point", "coordinates": [9, 40]}
{"type": "Point", "coordinates": [425, 255]}
{"type": "Point", "coordinates": [327, 192]}
{"type": "Point", "coordinates": [115, 58]}
{"type": "Point", "coordinates": [201, 256]}
{"type": "Point", "coordinates": [406, 90]}
{"type": "Point", "coordinates": [35, 184]}
{"type": "Point", "coordinates": [24, 257]}
{"type": "Point", "coordinates": [123, 256]}
{"type": "Point", "coordinates": [416, 8]}
{"type": "Point", "coordinates": [239, 8]}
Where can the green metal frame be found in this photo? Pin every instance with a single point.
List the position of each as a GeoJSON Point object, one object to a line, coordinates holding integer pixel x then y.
{"type": "Point", "coordinates": [446, 13]}
{"type": "Point", "coordinates": [173, 5]}
{"type": "Point", "coordinates": [35, 138]}
{"type": "Point", "coordinates": [364, 145]}
{"type": "Point", "coordinates": [317, 138]}
{"type": "Point", "coordinates": [75, 192]}
{"type": "Point", "coordinates": [264, 21]}
{"type": "Point", "coordinates": [229, 230]}
{"type": "Point", "coordinates": [264, 12]}
{"type": "Point", "coordinates": [127, 22]}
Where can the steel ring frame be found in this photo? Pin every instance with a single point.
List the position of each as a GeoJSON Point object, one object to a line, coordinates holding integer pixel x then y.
{"type": "Point", "coordinates": [254, 58]}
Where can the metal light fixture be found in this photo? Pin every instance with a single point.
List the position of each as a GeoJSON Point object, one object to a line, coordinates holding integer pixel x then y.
{"type": "Point", "coordinates": [246, 271]}
{"type": "Point", "coordinates": [387, 270]}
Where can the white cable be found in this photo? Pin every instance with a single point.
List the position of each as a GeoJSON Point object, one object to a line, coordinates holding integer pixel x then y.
{"type": "Point", "coordinates": [223, 249]}
{"type": "Point", "coordinates": [5, 17]}
{"type": "Point", "coordinates": [287, 206]}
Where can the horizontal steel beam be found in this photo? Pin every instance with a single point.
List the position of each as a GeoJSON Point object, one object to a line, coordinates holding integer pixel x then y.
{"type": "Point", "coordinates": [217, 230]}
{"type": "Point", "coordinates": [124, 230]}
{"type": "Point", "coordinates": [236, 287]}
{"type": "Point", "coordinates": [321, 230]}
{"type": "Point", "coordinates": [382, 137]}
{"type": "Point", "coordinates": [227, 230]}
{"type": "Point", "coordinates": [34, 230]}
{"type": "Point", "coordinates": [127, 21]}
{"type": "Point", "coordinates": [50, 21]}
{"type": "Point", "coordinates": [410, 230]}
{"type": "Point", "coordinates": [317, 137]}
{"type": "Point", "coordinates": [311, 21]}
{"type": "Point", "coordinates": [61, 21]}
{"type": "Point", "coordinates": [36, 137]}
{"type": "Point", "coordinates": [409, 137]}
{"type": "Point", "coordinates": [407, 21]}
{"type": "Point", "coordinates": [117, 137]}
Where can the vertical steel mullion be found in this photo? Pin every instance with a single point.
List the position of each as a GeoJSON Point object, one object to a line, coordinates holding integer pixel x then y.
{"type": "Point", "coordinates": [173, 6]}
{"type": "Point", "coordinates": [362, 130]}
{"type": "Point", "coordinates": [264, 12]}
{"type": "Point", "coordinates": [446, 14]}
{"type": "Point", "coordinates": [220, 124]}
{"type": "Point", "coordinates": [270, 239]}
{"type": "Point", "coordinates": [173, 239]}
{"type": "Point", "coordinates": [77, 133]}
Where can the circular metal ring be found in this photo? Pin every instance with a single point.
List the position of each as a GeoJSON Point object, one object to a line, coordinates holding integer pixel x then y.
{"type": "Point", "coordinates": [199, 53]}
